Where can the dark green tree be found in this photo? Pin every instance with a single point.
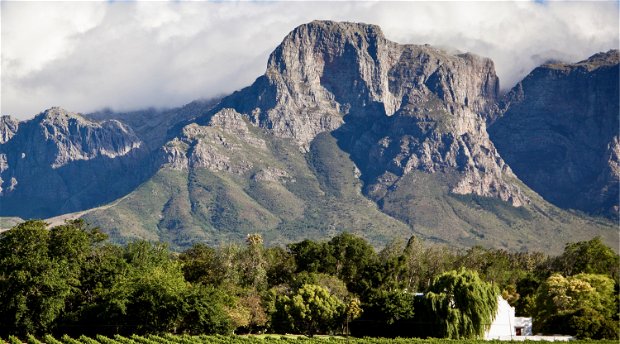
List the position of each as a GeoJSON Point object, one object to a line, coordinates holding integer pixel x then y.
{"type": "Point", "coordinates": [201, 264]}
{"type": "Point", "coordinates": [464, 305]}
{"type": "Point", "coordinates": [591, 257]}
{"type": "Point", "coordinates": [351, 255]}
{"type": "Point", "coordinates": [387, 313]}
{"type": "Point", "coordinates": [280, 266]}
{"type": "Point", "coordinates": [311, 256]}
{"type": "Point", "coordinates": [203, 311]}
{"type": "Point", "coordinates": [40, 271]}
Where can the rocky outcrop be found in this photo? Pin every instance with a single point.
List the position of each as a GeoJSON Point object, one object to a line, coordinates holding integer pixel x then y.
{"type": "Point", "coordinates": [60, 162]}
{"type": "Point", "coordinates": [155, 127]}
{"type": "Point", "coordinates": [324, 70]}
{"type": "Point", "coordinates": [71, 137]}
{"type": "Point", "coordinates": [8, 128]}
{"type": "Point", "coordinates": [559, 133]}
{"type": "Point", "coordinates": [395, 108]}
{"type": "Point", "coordinates": [221, 145]}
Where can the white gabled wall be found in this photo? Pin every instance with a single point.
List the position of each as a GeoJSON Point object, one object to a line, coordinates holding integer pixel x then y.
{"type": "Point", "coordinates": [503, 327]}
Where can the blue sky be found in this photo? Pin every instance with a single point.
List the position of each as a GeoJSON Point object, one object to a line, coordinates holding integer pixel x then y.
{"type": "Point", "coordinates": [85, 56]}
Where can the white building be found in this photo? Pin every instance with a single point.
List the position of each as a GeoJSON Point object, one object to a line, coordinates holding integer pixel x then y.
{"type": "Point", "coordinates": [506, 326]}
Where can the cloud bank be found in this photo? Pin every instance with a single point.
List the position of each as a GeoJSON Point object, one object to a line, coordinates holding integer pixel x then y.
{"type": "Point", "coordinates": [85, 56]}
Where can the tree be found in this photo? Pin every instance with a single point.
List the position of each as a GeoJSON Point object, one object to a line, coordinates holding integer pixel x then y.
{"type": "Point", "coordinates": [40, 271]}
{"type": "Point", "coordinates": [423, 264]}
{"type": "Point", "coordinates": [583, 305]}
{"type": "Point", "coordinates": [201, 265]}
{"type": "Point", "coordinates": [591, 257]}
{"type": "Point", "coordinates": [351, 255]}
{"type": "Point", "coordinates": [311, 310]}
{"type": "Point", "coordinates": [389, 306]}
{"type": "Point", "coordinates": [203, 311]}
{"type": "Point", "coordinates": [464, 306]}
{"type": "Point", "coordinates": [313, 256]}
{"type": "Point", "coordinates": [280, 266]}
{"type": "Point", "coordinates": [90, 306]}
{"type": "Point", "coordinates": [353, 311]}
{"type": "Point", "coordinates": [251, 263]}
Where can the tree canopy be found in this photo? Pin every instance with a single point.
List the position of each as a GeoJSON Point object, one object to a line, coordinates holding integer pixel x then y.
{"type": "Point", "coordinates": [70, 279]}
{"type": "Point", "coordinates": [463, 304]}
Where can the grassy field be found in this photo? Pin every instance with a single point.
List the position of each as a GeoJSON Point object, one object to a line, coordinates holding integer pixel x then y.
{"type": "Point", "coordinates": [251, 339]}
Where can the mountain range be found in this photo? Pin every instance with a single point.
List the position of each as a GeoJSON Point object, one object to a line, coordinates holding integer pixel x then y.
{"type": "Point", "coordinates": [345, 131]}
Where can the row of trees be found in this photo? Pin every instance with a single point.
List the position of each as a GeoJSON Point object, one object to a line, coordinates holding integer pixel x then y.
{"type": "Point", "coordinates": [69, 279]}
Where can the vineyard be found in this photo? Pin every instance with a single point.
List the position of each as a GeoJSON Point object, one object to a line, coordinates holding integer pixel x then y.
{"type": "Point", "coordinates": [220, 339]}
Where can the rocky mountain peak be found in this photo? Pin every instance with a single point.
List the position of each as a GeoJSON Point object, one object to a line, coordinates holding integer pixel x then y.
{"type": "Point", "coordinates": [221, 145]}
{"type": "Point", "coordinates": [608, 58]}
{"type": "Point", "coordinates": [396, 108]}
{"type": "Point", "coordinates": [559, 133]}
{"type": "Point", "coordinates": [69, 136]}
{"type": "Point", "coordinates": [324, 71]}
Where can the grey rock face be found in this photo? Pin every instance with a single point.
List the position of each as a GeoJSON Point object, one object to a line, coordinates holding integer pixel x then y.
{"type": "Point", "coordinates": [395, 108]}
{"type": "Point", "coordinates": [8, 128]}
{"type": "Point", "coordinates": [60, 162]}
{"type": "Point", "coordinates": [155, 127]}
{"type": "Point", "coordinates": [559, 133]}
{"type": "Point", "coordinates": [219, 146]}
{"type": "Point", "coordinates": [75, 138]}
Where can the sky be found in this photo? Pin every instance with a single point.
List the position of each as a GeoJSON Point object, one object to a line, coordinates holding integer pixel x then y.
{"type": "Point", "coordinates": [86, 56]}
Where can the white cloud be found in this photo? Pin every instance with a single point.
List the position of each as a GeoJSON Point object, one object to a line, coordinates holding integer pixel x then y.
{"type": "Point", "coordinates": [85, 56]}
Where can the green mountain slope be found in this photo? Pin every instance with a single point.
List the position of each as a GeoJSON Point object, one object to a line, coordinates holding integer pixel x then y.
{"type": "Point", "coordinates": [288, 195]}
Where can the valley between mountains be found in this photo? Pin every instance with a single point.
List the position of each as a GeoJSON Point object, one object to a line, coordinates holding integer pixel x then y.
{"type": "Point", "coordinates": [345, 131]}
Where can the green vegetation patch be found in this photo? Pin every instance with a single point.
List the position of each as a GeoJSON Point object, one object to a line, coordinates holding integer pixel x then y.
{"type": "Point", "coordinates": [257, 339]}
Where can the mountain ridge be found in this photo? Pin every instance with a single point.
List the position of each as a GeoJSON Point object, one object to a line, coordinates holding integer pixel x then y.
{"type": "Point", "coordinates": [346, 130]}
{"type": "Point", "coordinates": [559, 130]}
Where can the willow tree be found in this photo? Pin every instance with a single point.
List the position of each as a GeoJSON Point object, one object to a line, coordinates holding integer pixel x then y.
{"type": "Point", "coordinates": [463, 305]}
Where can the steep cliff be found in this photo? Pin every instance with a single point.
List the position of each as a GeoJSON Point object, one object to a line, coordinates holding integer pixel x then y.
{"type": "Point", "coordinates": [60, 162]}
{"type": "Point", "coordinates": [397, 108]}
{"type": "Point", "coordinates": [559, 133]}
{"type": "Point", "coordinates": [347, 130]}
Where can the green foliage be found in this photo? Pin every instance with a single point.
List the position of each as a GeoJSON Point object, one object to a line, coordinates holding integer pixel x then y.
{"type": "Point", "coordinates": [312, 256]}
{"type": "Point", "coordinates": [345, 256]}
{"type": "Point", "coordinates": [201, 265]}
{"type": "Point", "coordinates": [66, 280]}
{"type": "Point", "coordinates": [591, 257]}
{"type": "Point", "coordinates": [583, 305]}
{"type": "Point", "coordinates": [280, 266]}
{"type": "Point", "coordinates": [311, 310]}
{"type": "Point", "coordinates": [423, 263]}
{"type": "Point", "coordinates": [275, 339]}
{"type": "Point", "coordinates": [39, 272]}
{"type": "Point", "coordinates": [14, 340]}
{"type": "Point", "coordinates": [252, 263]}
{"type": "Point", "coordinates": [351, 255]}
{"type": "Point", "coordinates": [203, 311]}
{"type": "Point", "coordinates": [463, 304]}
{"type": "Point", "coordinates": [389, 306]}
